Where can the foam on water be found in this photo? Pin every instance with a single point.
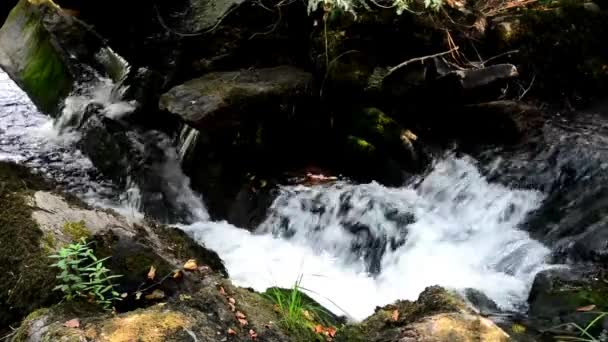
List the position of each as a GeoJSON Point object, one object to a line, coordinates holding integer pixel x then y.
{"type": "Point", "coordinates": [464, 235]}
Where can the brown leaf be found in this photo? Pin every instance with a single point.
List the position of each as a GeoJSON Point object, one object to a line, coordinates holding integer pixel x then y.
{"type": "Point", "coordinates": [319, 329]}
{"type": "Point", "coordinates": [395, 315]}
{"type": "Point", "coordinates": [240, 315]}
{"type": "Point", "coordinates": [586, 308]}
{"type": "Point", "coordinates": [231, 300]}
{"type": "Point", "coordinates": [152, 273]}
{"type": "Point", "coordinates": [232, 307]}
{"type": "Point", "coordinates": [156, 294]}
{"type": "Point", "coordinates": [191, 265]}
{"type": "Point", "coordinates": [73, 323]}
{"type": "Point", "coordinates": [177, 274]}
{"type": "Point", "coordinates": [222, 291]}
{"type": "Point", "coordinates": [331, 331]}
{"type": "Point", "coordinates": [231, 332]}
{"type": "Point", "coordinates": [253, 334]}
{"type": "Point", "coordinates": [242, 322]}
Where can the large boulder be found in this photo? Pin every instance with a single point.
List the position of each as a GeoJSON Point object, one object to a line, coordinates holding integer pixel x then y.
{"type": "Point", "coordinates": [47, 51]}
{"type": "Point", "coordinates": [29, 56]}
{"type": "Point", "coordinates": [225, 98]}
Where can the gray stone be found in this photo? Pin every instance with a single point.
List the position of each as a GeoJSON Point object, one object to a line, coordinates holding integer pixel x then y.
{"type": "Point", "coordinates": [225, 97]}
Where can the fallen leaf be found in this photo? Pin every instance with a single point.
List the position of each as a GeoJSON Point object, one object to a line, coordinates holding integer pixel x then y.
{"type": "Point", "coordinates": [586, 308]}
{"type": "Point", "coordinates": [184, 297]}
{"type": "Point", "coordinates": [191, 265]}
{"type": "Point", "coordinates": [240, 315]}
{"type": "Point", "coordinates": [231, 300]}
{"type": "Point", "coordinates": [138, 295]}
{"type": "Point", "coordinates": [307, 314]}
{"type": "Point", "coordinates": [242, 322]}
{"type": "Point", "coordinates": [177, 274]}
{"type": "Point", "coordinates": [319, 329]}
{"type": "Point", "coordinates": [395, 315]}
{"type": "Point", "coordinates": [253, 334]}
{"type": "Point", "coordinates": [152, 273]}
{"type": "Point", "coordinates": [222, 291]}
{"type": "Point", "coordinates": [124, 295]}
{"type": "Point", "coordinates": [231, 332]}
{"type": "Point", "coordinates": [232, 307]}
{"type": "Point", "coordinates": [73, 323]}
{"type": "Point", "coordinates": [331, 331]}
{"type": "Point", "coordinates": [156, 294]}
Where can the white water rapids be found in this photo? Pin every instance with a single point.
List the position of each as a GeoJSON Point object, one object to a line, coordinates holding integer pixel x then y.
{"type": "Point", "coordinates": [356, 246]}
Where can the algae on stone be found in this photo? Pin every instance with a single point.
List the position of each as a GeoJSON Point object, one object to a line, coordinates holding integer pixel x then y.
{"type": "Point", "coordinates": [31, 58]}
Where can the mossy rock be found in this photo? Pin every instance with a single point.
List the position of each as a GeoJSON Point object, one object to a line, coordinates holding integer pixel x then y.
{"type": "Point", "coordinates": [27, 280]}
{"type": "Point", "coordinates": [557, 296]}
{"type": "Point", "coordinates": [31, 58]}
{"type": "Point", "coordinates": [438, 315]}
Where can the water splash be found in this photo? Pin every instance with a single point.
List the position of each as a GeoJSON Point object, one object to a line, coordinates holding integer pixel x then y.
{"type": "Point", "coordinates": [367, 245]}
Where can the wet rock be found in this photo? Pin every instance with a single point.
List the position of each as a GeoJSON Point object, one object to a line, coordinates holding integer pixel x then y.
{"type": "Point", "coordinates": [499, 122]}
{"type": "Point", "coordinates": [481, 302]}
{"type": "Point", "coordinates": [568, 165]}
{"type": "Point", "coordinates": [562, 296]}
{"type": "Point", "coordinates": [436, 316]}
{"type": "Point", "coordinates": [473, 85]}
{"type": "Point", "coordinates": [223, 98]}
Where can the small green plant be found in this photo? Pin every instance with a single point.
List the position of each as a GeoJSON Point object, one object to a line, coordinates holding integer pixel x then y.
{"type": "Point", "coordinates": [301, 316]}
{"type": "Point", "coordinates": [585, 335]}
{"type": "Point", "coordinates": [83, 276]}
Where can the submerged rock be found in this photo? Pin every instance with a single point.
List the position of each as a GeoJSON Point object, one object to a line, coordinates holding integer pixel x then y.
{"type": "Point", "coordinates": [223, 98]}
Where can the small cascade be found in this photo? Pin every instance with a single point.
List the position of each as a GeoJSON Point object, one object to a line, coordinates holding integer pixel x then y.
{"type": "Point", "coordinates": [188, 138]}
{"type": "Point", "coordinates": [360, 246]}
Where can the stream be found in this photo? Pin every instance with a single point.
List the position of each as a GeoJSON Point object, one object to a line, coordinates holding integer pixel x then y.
{"type": "Point", "coordinates": [355, 246]}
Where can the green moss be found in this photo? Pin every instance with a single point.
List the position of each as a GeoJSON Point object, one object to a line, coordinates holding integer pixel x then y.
{"type": "Point", "coordinates": [76, 230]}
{"type": "Point", "coordinates": [22, 333]}
{"type": "Point", "coordinates": [45, 76]}
{"type": "Point", "coordinates": [27, 279]}
{"type": "Point", "coordinates": [360, 146]}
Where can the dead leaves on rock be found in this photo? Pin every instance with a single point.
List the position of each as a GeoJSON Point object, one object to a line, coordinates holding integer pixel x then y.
{"type": "Point", "coordinates": [586, 308]}
{"type": "Point", "coordinates": [191, 265]}
{"type": "Point", "coordinates": [73, 323]}
{"type": "Point", "coordinates": [328, 332]}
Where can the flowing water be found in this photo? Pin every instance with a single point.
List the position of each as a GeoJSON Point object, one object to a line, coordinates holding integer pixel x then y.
{"type": "Point", "coordinates": [355, 246]}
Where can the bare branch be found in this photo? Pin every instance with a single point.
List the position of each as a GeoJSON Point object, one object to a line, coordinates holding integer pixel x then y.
{"type": "Point", "coordinates": [419, 59]}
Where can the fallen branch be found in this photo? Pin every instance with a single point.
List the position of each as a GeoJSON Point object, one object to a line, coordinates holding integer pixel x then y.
{"type": "Point", "coordinates": [419, 59]}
